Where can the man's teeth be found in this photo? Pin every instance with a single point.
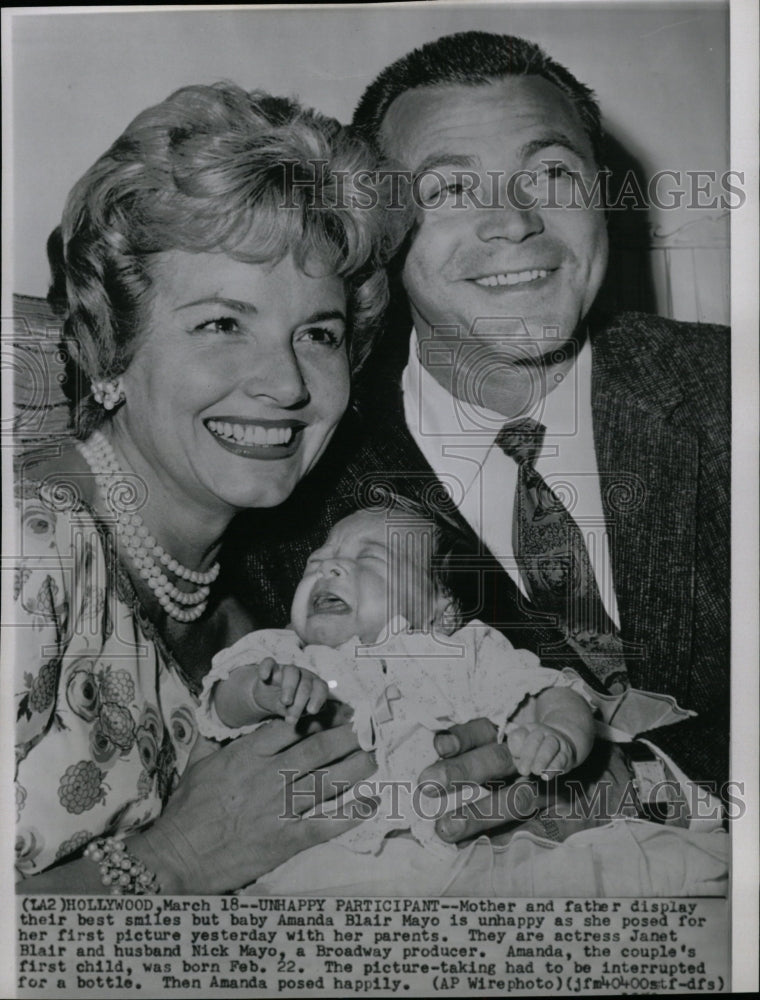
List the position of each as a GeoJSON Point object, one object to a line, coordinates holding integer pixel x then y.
{"type": "Point", "coordinates": [513, 278]}
{"type": "Point", "coordinates": [253, 434]}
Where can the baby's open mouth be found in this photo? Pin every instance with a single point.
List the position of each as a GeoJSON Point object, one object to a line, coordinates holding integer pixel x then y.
{"type": "Point", "coordinates": [326, 603]}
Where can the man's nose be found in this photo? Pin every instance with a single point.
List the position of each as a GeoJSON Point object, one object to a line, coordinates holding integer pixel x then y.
{"type": "Point", "coordinates": [514, 219]}
{"type": "Point", "coordinates": [275, 372]}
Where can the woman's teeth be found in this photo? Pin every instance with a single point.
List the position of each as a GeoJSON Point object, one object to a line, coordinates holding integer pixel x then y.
{"type": "Point", "coordinates": [253, 434]}
{"type": "Point", "coordinates": [512, 278]}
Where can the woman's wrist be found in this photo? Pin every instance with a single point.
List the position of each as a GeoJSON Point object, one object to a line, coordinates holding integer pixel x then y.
{"type": "Point", "coordinates": [155, 850]}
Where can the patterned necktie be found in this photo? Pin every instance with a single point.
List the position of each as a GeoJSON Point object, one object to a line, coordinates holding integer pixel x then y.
{"type": "Point", "coordinates": [554, 561]}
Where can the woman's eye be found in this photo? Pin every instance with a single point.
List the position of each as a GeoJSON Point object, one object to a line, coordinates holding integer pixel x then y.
{"type": "Point", "coordinates": [322, 335]}
{"type": "Point", "coordinates": [222, 324]}
{"type": "Point", "coordinates": [436, 193]}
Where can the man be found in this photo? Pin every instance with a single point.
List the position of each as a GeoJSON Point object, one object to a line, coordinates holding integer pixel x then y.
{"type": "Point", "coordinates": [626, 419]}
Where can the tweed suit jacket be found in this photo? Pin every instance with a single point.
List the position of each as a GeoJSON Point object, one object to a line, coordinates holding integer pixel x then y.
{"type": "Point", "coordinates": [660, 403]}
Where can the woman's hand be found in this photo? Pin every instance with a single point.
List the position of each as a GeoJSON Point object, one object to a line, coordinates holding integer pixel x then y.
{"type": "Point", "coordinates": [236, 813]}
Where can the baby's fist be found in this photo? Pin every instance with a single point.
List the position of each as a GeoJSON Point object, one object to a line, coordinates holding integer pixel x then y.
{"type": "Point", "coordinates": [540, 749]}
{"type": "Point", "coordinates": [288, 690]}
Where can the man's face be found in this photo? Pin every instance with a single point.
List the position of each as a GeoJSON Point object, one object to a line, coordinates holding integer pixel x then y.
{"type": "Point", "coordinates": [510, 278]}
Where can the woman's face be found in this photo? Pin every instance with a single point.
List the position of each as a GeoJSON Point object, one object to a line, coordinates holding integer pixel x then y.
{"type": "Point", "coordinates": [238, 380]}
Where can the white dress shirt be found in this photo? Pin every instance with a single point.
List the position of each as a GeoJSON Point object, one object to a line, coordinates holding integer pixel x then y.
{"type": "Point", "coordinates": [458, 442]}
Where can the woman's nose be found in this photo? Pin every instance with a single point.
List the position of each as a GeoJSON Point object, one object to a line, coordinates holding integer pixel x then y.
{"type": "Point", "coordinates": [277, 374]}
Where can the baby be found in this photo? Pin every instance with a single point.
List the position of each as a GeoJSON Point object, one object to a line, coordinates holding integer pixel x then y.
{"type": "Point", "coordinates": [369, 575]}
{"type": "Point", "coordinates": [374, 624]}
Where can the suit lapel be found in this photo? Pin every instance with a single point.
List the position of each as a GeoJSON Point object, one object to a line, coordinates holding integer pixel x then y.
{"type": "Point", "coordinates": [648, 467]}
{"type": "Point", "coordinates": [392, 458]}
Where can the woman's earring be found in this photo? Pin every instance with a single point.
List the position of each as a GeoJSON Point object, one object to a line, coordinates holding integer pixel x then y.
{"type": "Point", "coordinates": [108, 392]}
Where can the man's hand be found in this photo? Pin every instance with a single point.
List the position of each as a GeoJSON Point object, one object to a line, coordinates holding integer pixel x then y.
{"type": "Point", "coordinates": [471, 755]}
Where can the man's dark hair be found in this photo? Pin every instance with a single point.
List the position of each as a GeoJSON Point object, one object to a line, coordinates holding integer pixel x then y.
{"type": "Point", "coordinates": [473, 58]}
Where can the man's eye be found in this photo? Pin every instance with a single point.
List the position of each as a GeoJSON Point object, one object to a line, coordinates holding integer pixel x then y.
{"type": "Point", "coordinates": [554, 169]}
{"type": "Point", "coordinates": [222, 324]}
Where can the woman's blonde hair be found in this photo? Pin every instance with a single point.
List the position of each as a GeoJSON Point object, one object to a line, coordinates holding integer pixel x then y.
{"type": "Point", "coordinates": [212, 169]}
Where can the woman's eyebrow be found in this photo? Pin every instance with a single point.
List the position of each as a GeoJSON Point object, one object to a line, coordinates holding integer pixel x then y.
{"type": "Point", "coordinates": [236, 305]}
{"type": "Point", "coordinates": [324, 315]}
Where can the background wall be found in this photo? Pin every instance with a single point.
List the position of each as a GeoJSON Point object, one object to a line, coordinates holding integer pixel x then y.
{"type": "Point", "coordinates": [660, 71]}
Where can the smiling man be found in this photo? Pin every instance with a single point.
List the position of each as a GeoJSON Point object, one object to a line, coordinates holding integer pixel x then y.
{"type": "Point", "coordinates": [589, 454]}
{"type": "Point", "coordinates": [493, 262]}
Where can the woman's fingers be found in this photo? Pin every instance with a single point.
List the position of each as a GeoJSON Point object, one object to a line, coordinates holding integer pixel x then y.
{"type": "Point", "coordinates": [319, 750]}
{"type": "Point", "coordinates": [322, 827]}
{"type": "Point", "coordinates": [273, 738]}
{"type": "Point", "coordinates": [326, 784]}
{"type": "Point", "coordinates": [513, 803]}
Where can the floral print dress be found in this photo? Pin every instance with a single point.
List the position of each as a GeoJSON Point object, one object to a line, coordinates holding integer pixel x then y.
{"type": "Point", "coordinates": [105, 720]}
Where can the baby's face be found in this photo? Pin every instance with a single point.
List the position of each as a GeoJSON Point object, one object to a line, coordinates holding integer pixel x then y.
{"type": "Point", "coordinates": [374, 565]}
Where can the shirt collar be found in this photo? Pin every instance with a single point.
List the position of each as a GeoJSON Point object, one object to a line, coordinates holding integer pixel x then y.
{"type": "Point", "coordinates": [444, 414]}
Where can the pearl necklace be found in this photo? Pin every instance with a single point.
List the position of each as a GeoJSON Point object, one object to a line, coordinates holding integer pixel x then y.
{"type": "Point", "coordinates": [184, 606]}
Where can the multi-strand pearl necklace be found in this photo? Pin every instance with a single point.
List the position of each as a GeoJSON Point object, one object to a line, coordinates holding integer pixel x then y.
{"type": "Point", "coordinates": [145, 553]}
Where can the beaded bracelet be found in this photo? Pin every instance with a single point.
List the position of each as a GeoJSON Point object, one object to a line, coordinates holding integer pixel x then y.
{"type": "Point", "coordinates": [120, 870]}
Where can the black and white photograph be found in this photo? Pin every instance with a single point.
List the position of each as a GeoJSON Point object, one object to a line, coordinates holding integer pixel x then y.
{"type": "Point", "coordinates": [379, 412]}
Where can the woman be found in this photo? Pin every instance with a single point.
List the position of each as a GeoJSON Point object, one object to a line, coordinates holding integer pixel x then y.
{"type": "Point", "coordinates": [218, 275]}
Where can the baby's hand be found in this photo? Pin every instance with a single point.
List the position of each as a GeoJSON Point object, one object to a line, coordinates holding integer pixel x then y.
{"type": "Point", "coordinates": [540, 749]}
{"type": "Point", "coordinates": [288, 690]}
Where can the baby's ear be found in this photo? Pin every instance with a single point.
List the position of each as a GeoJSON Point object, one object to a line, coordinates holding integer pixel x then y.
{"type": "Point", "coordinates": [447, 617]}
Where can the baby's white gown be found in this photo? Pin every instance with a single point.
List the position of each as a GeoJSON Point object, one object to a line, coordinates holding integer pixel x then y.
{"type": "Point", "coordinates": [412, 684]}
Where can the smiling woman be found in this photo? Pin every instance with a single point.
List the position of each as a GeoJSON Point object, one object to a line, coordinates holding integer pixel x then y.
{"type": "Point", "coordinates": [247, 364]}
{"type": "Point", "coordinates": [216, 293]}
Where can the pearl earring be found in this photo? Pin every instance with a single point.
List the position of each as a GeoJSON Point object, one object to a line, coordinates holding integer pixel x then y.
{"type": "Point", "coordinates": [108, 392]}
